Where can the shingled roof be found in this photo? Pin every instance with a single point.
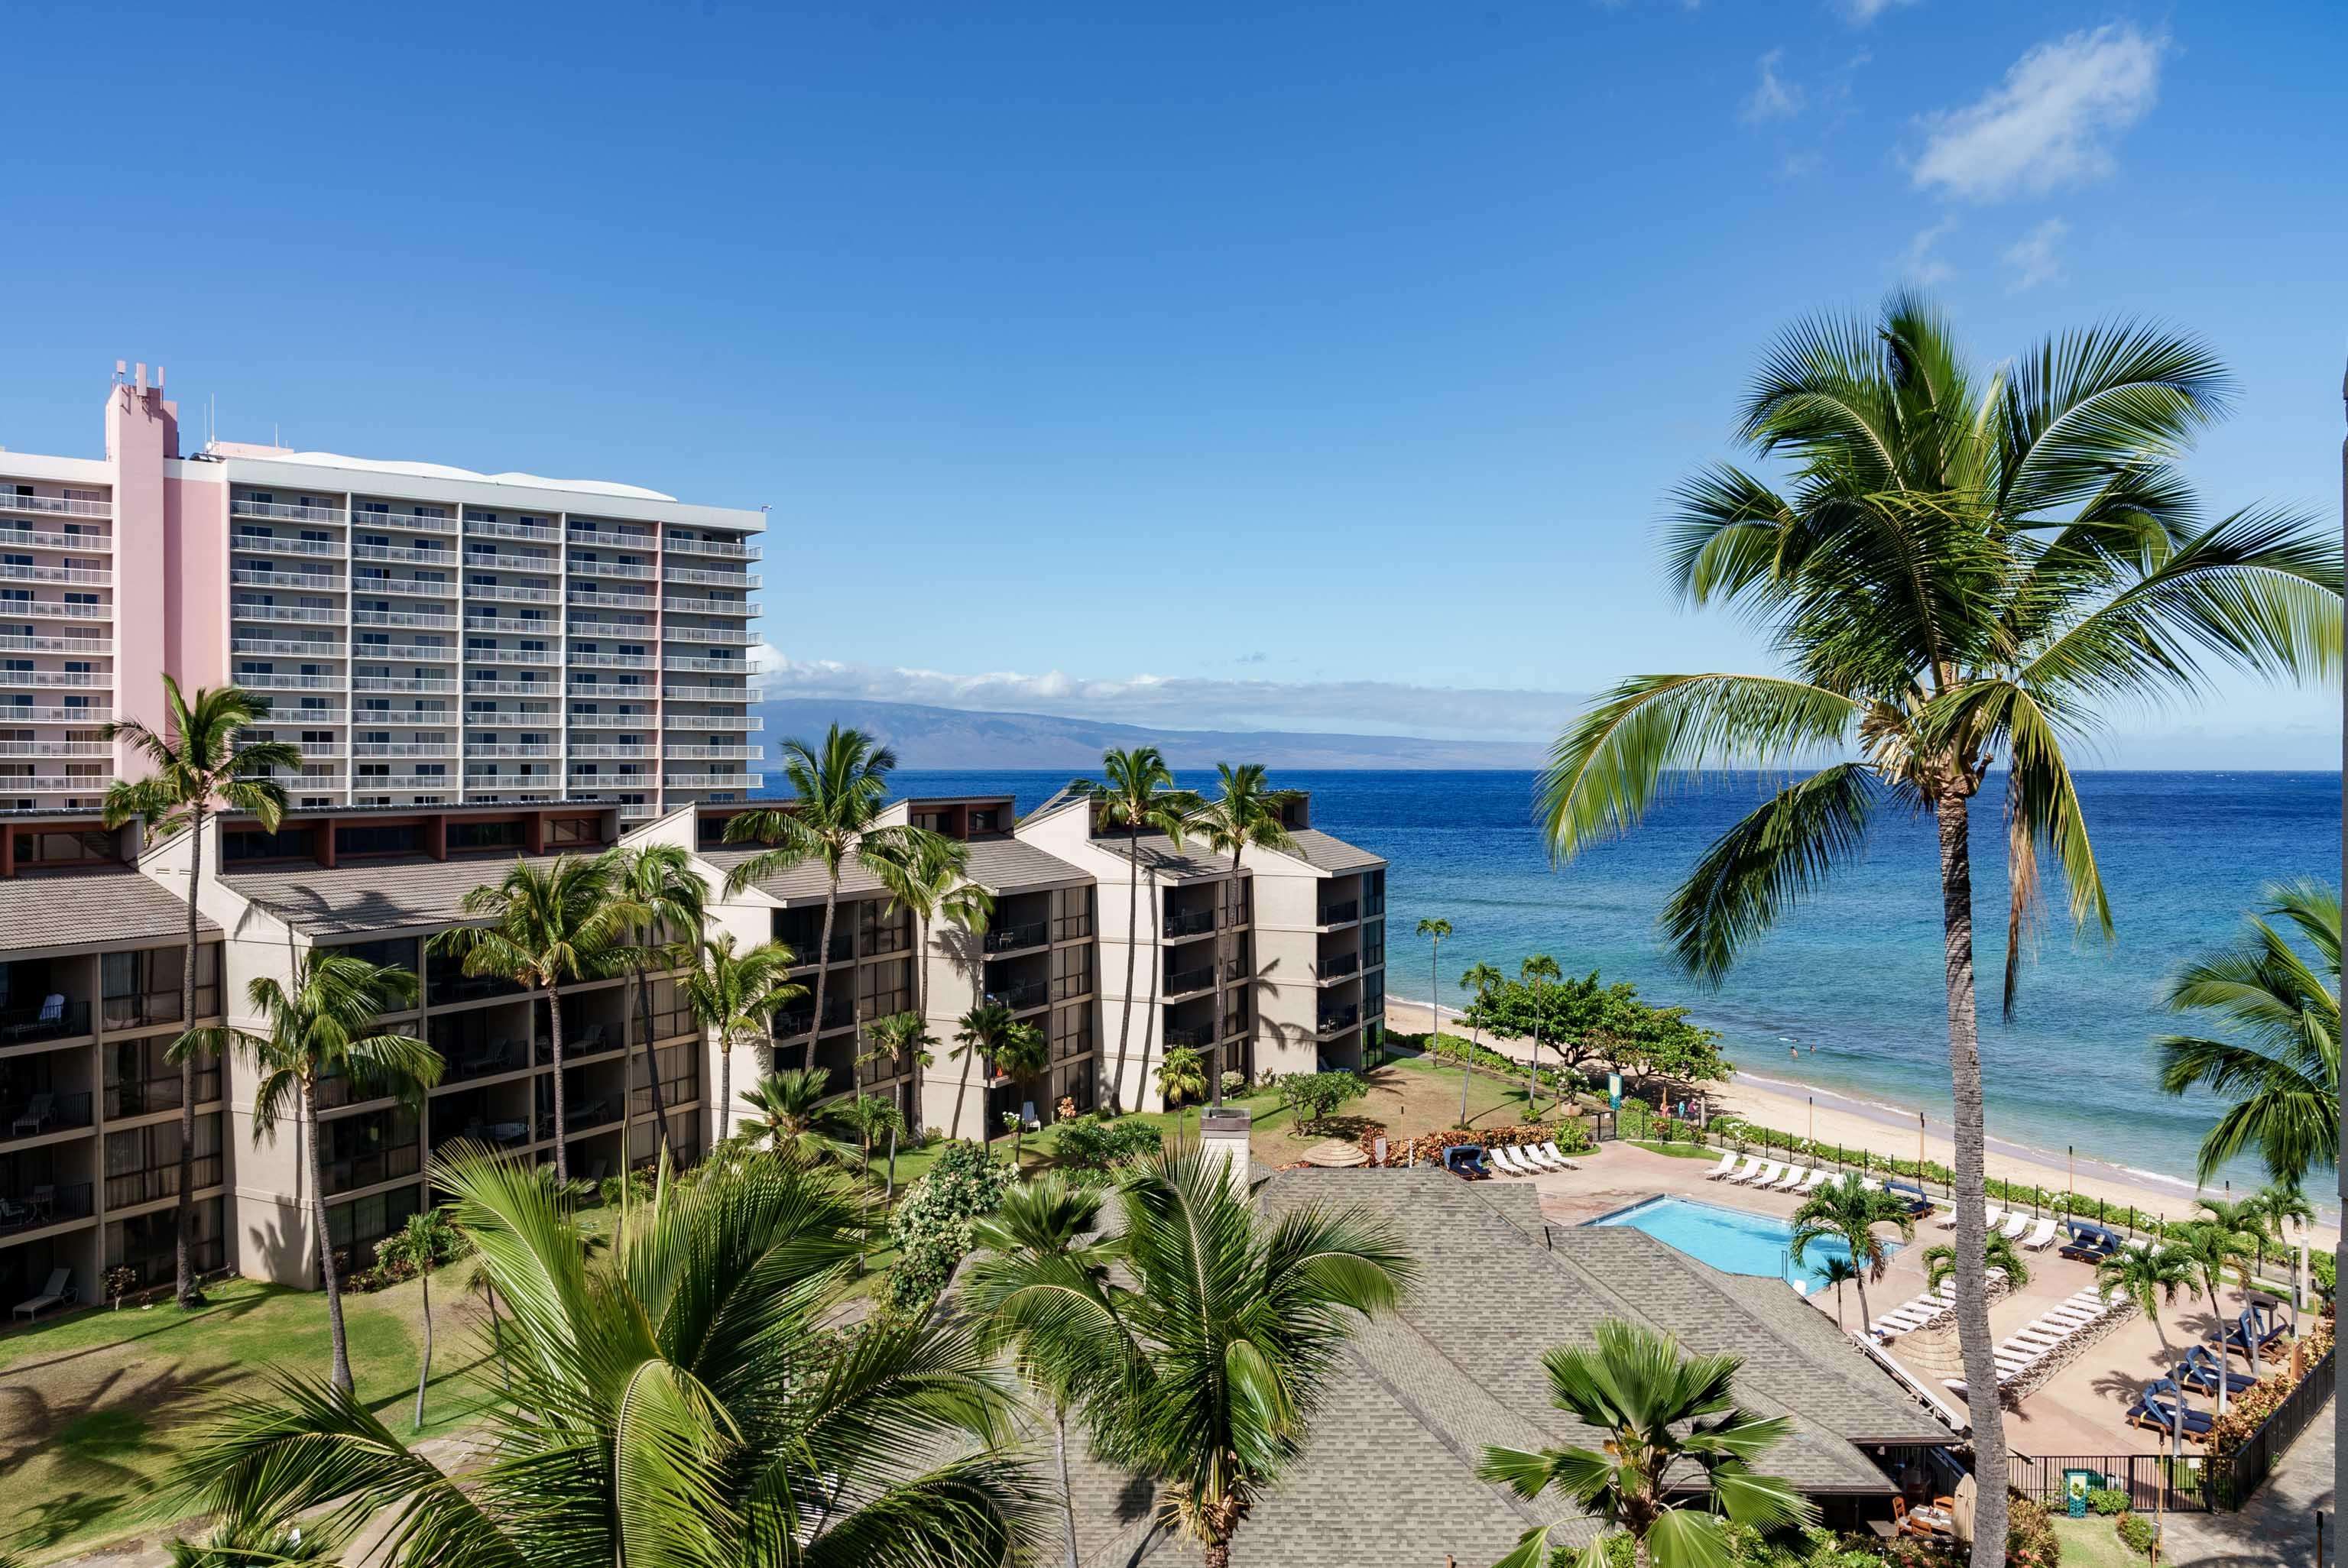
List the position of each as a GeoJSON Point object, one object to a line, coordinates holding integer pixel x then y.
{"type": "Point", "coordinates": [1325, 852]}
{"type": "Point", "coordinates": [388, 895]}
{"type": "Point", "coordinates": [107, 909]}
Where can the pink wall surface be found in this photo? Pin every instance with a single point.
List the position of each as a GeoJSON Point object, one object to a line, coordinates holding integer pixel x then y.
{"type": "Point", "coordinates": [142, 430]}
{"type": "Point", "coordinates": [195, 576]}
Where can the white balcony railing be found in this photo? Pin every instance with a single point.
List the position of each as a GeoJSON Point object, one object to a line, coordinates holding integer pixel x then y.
{"type": "Point", "coordinates": [364, 517]}
{"type": "Point", "coordinates": [15, 536]}
{"type": "Point", "coordinates": [637, 810]}
{"type": "Point", "coordinates": [37, 643]}
{"type": "Point", "coordinates": [53, 610]}
{"type": "Point", "coordinates": [405, 555]}
{"type": "Point", "coordinates": [597, 750]}
{"type": "Point", "coordinates": [90, 576]}
{"type": "Point", "coordinates": [579, 781]}
{"type": "Point", "coordinates": [512, 595]}
{"type": "Point", "coordinates": [723, 549]}
{"type": "Point", "coordinates": [708, 781]}
{"type": "Point", "coordinates": [246, 609]}
{"type": "Point", "coordinates": [403, 781]}
{"type": "Point", "coordinates": [53, 506]}
{"type": "Point", "coordinates": [283, 511]}
{"type": "Point", "coordinates": [685, 753]}
{"type": "Point", "coordinates": [613, 536]}
{"type": "Point", "coordinates": [290, 581]}
{"type": "Point", "coordinates": [612, 722]}
{"type": "Point", "coordinates": [408, 652]}
{"type": "Point", "coordinates": [283, 545]}
{"type": "Point", "coordinates": [610, 660]}
{"type": "Point", "coordinates": [387, 718]}
{"type": "Point", "coordinates": [706, 694]}
{"type": "Point", "coordinates": [512, 656]}
{"type": "Point", "coordinates": [474, 621]}
{"type": "Point", "coordinates": [501, 529]}
{"type": "Point", "coordinates": [595, 569]}
{"type": "Point", "coordinates": [713, 666]}
{"type": "Point", "coordinates": [513, 784]}
{"type": "Point", "coordinates": [711, 721]}
{"type": "Point", "coordinates": [270, 681]}
{"type": "Point", "coordinates": [426, 684]}
{"type": "Point", "coordinates": [402, 586]}
{"type": "Point", "coordinates": [502, 750]}
{"type": "Point", "coordinates": [419, 620]}
{"type": "Point", "coordinates": [288, 718]}
{"type": "Point", "coordinates": [738, 636]}
{"type": "Point", "coordinates": [709, 577]}
{"type": "Point", "coordinates": [482, 688]}
{"type": "Point", "coordinates": [57, 749]}
{"type": "Point", "coordinates": [400, 749]}
{"type": "Point", "coordinates": [708, 607]}
{"type": "Point", "coordinates": [323, 647]}
{"type": "Point", "coordinates": [27, 714]}
{"type": "Point", "coordinates": [55, 784]}
{"type": "Point", "coordinates": [642, 603]}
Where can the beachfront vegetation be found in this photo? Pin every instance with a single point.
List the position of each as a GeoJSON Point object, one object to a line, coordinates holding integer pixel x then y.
{"type": "Point", "coordinates": [2279, 1059]}
{"type": "Point", "coordinates": [324, 1027]}
{"type": "Point", "coordinates": [1652, 1402]}
{"type": "Point", "coordinates": [202, 767]}
{"type": "Point", "coordinates": [1958, 574]}
{"type": "Point", "coordinates": [679, 1396]}
{"type": "Point", "coordinates": [1315, 1097]}
{"type": "Point", "coordinates": [1848, 1213]}
{"type": "Point", "coordinates": [1589, 1023]}
{"type": "Point", "coordinates": [786, 1114]}
{"type": "Point", "coordinates": [1136, 792]}
{"type": "Point", "coordinates": [2147, 1276]}
{"type": "Point", "coordinates": [2002, 1255]}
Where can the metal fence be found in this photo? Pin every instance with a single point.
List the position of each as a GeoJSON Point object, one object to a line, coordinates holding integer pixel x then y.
{"type": "Point", "coordinates": [2256, 1455]}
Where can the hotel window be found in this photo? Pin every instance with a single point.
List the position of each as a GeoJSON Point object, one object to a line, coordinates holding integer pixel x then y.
{"type": "Point", "coordinates": [1072, 1031]}
{"type": "Point", "coordinates": [142, 1164]}
{"type": "Point", "coordinates": [1072, 913]}
{"type": "Point", "coordinates": [885, 988]}
{"type": "Point", "coordinates": [143, 988]}
{"type": "Point", "coordinates": [1071, 972]}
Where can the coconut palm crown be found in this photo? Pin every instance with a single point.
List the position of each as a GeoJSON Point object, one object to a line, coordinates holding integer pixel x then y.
{"type": "Point", "coordinates": [1960, 572]}
{"type": "Point", "coordinates": [1846, 1212]}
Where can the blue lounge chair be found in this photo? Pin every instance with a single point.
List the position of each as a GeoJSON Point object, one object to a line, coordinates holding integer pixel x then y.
{"type": "Point", "coordinates": [1467, 1160]}
{"type": "Point", "coordinates": [1918, 1203]}
{"type": "Point", "coordinates": [2258, 1327]}
{"type": "Point", "coordinates": [2090, 1242]}
{"type": "Point", "coordinates": [2200, 1371]}
{"type": "Point", "coordinates": [2162, 1406]}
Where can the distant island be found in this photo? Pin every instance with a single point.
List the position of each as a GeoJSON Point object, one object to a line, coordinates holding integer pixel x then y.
{"type": "Point", "coordinates": [927, 737]}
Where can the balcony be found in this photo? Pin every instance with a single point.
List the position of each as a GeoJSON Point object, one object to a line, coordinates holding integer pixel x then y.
{"type": "Point", "coordinates": [1021, 996]}
{"type": "Point", "coordinates": [395, 683]}
{"type": "Point", "coordinates": [56, 784]}
{"type": "Point", "coordinates": [1193, 1037]}
{"type": "Point", "coordinates": [1343, 913]}
{"type": "Point", "coordinates": [734, 666]}
{"type": "Point", "coordinates": [292, 581]}
{"type": "Point", "coordinates": [92, 749]}
{"type": "Point", "coordinates": [514, 749]}
{"type": "Point", "coordinates": [285, 545]}
{"type": "Point", "coordinates": [1338, 967]}
{"type": "Point", "coordinates": [53, 610]}
{"type": "Point", "coordinates": [15, 536]}
{"type": "Point", "coordinates": [39, 1114]}
{"type": "Point", "coordinates": [89, 576]}
{"type": "Point", "coordinates": [289, 648]}
{"type": "Point", "coordinates": [399, 749]}
{"type": "Point", "coordinates": [281, 511]}
{"type": "Point", "coordinates": [45, 644]}
{"type": "Point", "coordinates": [1189, 982]}
{"type": "Point", "coordinates": [408, 652]}
{"type": "Point", "coordinates": [367, 516]}
{"type": "Point", "coordinates": [641, 603]}
{"type": "Point", "coordinates": [405, 783]}
{"type": "Point", "coordinates": [595, 569]}
{"type": "Point", "coordinates": [624, 630]}
{"type": "Point", "coordinates": [160, 1181]}
{"type": "Point", "coordinates": [1338, 1020]}
{"type": "Point", "coordinates": [42, 1204]}
{"type": "Point", "coordinates": [370, 1170]}
{"type": "Point", "coordinates": [501, 784]}
{"type": "Point", "coordinates": [594, 750]}
{"type": "Point", "coordinates": [713, 721]}
{"type": "Point", "coordinates": [53, 506]}
{"type": "Point", "coordinates": [737, 636]}
{"type": "Point", "coordinates": [269, 681]}
{"type": "Point", "coordinates": [23, 715]}
{"type": "Point", "coordinates": [709, 780]}
{"type": "Point", "coordinates": [1190, 923]}
{"type": "Point", "coordinates": [511, 594]}
{"type": "Point", "coordinates": [148, 1096]}
{"type": "Point", "coordinates": [501, 529]}
{"type": "Point", "coordinates": [315, 783]}
{"type": "Point", "coordinates": [1011, 939]}
{"type": "Point", "coordinates": [706, 694]}
{"type": "Point", "coordinates": [612, 661]}
{"type": "Point", "coordinates": [417, 620]}
{"type": "Point", "coordinates": [405, 555]}
{"type": "Point", "coordinates": [246, 609]}
{"type": "Point", "coordinates": [684, 752]}
{"type": "Point", "coordinates": [610, 536]}
{"type": "Point", "coordinates": [512, 656]}
{"type": "Point", "coordinates": [705, 576]}
{"type": "Point", "coordinates": [610, 721]}
{"type": "Point", "coordinates": [304, 716]}
{"type": "Point", "coordinates": [708, 607]}
{"type": "Point", "coordinates": [638, 811]}
{"type": "Point", "coordinates": [513, 626]}
{"type": "Point", "coordinates": [722, 549]}
{"type": "Point", "coordinates": [403, 587]}
{"type": "Point", "coordinates": [485, 688]}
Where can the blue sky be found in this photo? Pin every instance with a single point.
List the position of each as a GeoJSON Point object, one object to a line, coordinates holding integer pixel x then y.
{"type": "Point", "coordinates": [1358, 342]}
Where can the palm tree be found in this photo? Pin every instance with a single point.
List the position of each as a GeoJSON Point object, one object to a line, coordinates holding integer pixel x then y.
{"type": "Point", "coordinates": [548, 925]}
{"type": "Point", "coordinates": [1837, 1271]}
{"type": "Point", "coordinates": [2149, 1275]}
{"type": "Point", "coordinates": [1535, 973]}
{"type": "Point", "coordinates": [1649, 1401]}
{"type": "Point", "coordinates": [903, 1038]}
{"type": "Point", "coordinates": [2210, 1248]}
{"type": "Point", "coordinates": [1039, 1237]}
{"type": "Point", "coordinates": [2282, 1069]}
{"type": "Point", "coordinates": [663, 900]}
{"type": "Point", "coordinates": [1480, 981]}
{"type": "Point", "coordinates": [929, 876]}
{"type": "Point", "coordinates": [1220, 1331]}
{"type": "Point", "coordinates": [1021, 1053]}
{"type": "Point", "coordinates": [679, 1397]}
{"type": "Point", "coordinates": [419, 1242]}
{"type": "Point", "coordinates": [839, 792]}
{"type": "Point", "coordinates": [978, 1035]}
{"type": "Point", "coordinates": [324, 1027]}
{"type": "Point", "coordinates": [200, 769]}
{"type": "Point", "coordinates": [1434, 929]}
{"type": "Point", "coordinates": [1181, 1077]}
{"type": "Point", "coordinates": [734, 996]}
{"type": "Point", "coordinates": [2273, 1206]}
{"type": "Point", "coordinates": [1998, 1252]}
{"type": "Point", "coordinates": [787, 1110]}
{"type": "Point", "coordinates": [868, 1116]}
{"type": "Point", "coordinates": [1245, 813]}
{"type": "Point", "coordinates": [1958, 576]}
{"type": "Point", "coordinates": [1136, 792]}
{"type": "Point", "coordinates": [1846, 1212]}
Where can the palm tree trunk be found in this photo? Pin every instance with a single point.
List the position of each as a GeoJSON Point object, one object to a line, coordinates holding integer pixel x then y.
{"type": "Point", "coordinates": [2224, 1364]}
{"type": "Point", "coordinates": [1132, 951]}
{"type": "Point", "coordinates": [325, 1240]}
{"type": "Point", "coordinates": [1155, 1015]}
{"type": "Point", "coordinates": [889, 1193]}
{"type": "Point", "coordinates": [1466, 1070]}
{"type": "Point", "coordinates": [724, 1082]}
{"type": "Point", "coordinates": [962, 1089]}
{"type": "Point", "coordinates": [1067, 1493]}
{"type": "Point", "coordinates": [184, 1213]}
{"type": "Point", "coordinates": [652, 1059]}
{"type": "Point", "coordinates": [562, 1126]}
{"type": "Point", "coordinates": [423, 1373]}
{"type": "Point", "coordinates": [1970, 1137]}
{"type": "Point", "coordinates": [822, 966]}
{"type": "Point", "coordinates": [1222, 1006]}
{"type": "Point", "coordinates": [1866, 1323]}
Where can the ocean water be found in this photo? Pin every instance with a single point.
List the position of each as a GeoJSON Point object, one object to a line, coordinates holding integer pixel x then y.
{"type": "Point", "coordinates": [1845, 992]}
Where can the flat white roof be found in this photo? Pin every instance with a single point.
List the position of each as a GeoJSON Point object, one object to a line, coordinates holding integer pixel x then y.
{"type": "Point", "coordinates": [335, 473]}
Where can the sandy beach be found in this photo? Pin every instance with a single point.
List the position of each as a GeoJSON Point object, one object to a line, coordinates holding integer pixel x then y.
{"type": "Point", "coordinates": [1833, 1117]}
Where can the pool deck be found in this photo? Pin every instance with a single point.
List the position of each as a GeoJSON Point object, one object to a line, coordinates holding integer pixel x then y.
{"type": "Point", "coordinates": [2080, 1409]}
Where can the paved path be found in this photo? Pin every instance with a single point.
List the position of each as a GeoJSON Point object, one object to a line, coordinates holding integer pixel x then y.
{"type": "Point", "coordinates": [2278, 1526]}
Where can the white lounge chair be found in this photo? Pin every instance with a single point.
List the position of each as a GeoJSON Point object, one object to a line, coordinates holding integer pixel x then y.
{"type": "Point", "coordinates": [1556, 1157]}
{"type": "Point", "coordinates": [2015, 1223]}
{"type": "Point", "coordinates": [1771, 1174]}
{"type": "Point", "coordinates": [1500, 1159]}
{"type": "Point", "coordinates": [1869, 1185]}
{"type": "Point", "coordinates": [1946, 1219]}
{"type": "Point", "coordinates": [1745, 1173]}
{"type": "Point", "coordinates": [2040, 1236]}
{"type": "Point", "coordinates": [1518, 1164]}
{"type": "Point", "coordinates": [58, 1292]}
{"type": "Point", "coordinates": [1528, 1158]}
{"type": "Point", "coordinates": [1812, 1182]}
{"type": "Point", "coordinates": [1727, 1163]}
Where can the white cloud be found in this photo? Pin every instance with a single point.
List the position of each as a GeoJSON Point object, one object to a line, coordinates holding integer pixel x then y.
{"type": "Point", "coordinates": [1774, 97]}
{"type": "Point", "coordinates": [1361, 707]}
{"type": "Point", "coordinates": [2035, 257]}
{"type": "Point", "coordinates": [1920, 264]}
{"type": "Point", "coordinates": [2050, 122]}
{"type": "Point", "coordinates": [1860, 13]}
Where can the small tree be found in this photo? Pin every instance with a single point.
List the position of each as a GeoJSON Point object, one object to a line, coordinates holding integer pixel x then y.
{"type": "Point", "coordinates": [1181, 1077]}
{"type": "Point", "coordinates": [1315, 1097]}
{"type": "Point", "coordinates": [1848, 1212]}
{"type": "Point", "coordinates": [931, 1228]}
{"type": "Point", "coordinates": [2149, 1275]}
{"type": "Point", "coordinates": [425, 1239]}
{"type": "Point", "coordinates": [1480, 981]}
{"type": "Point", "coordinates": [1020, 1055]}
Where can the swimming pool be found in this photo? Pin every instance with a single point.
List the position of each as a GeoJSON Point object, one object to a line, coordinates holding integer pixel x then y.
{"type": "Point", "coordinates": [1731, 1240]}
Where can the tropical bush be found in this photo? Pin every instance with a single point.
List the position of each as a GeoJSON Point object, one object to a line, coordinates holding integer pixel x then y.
{"type": "Point", "coordinates": [1553, 1081]}
{"type": "Point", "coordinates": [931, 1229]}
{"type": "Point", "coordinates": [1583, 1021]}
{"type": "Point", "coordinates": [2327, 1270]}
{"type": "Point", "coordinates": [2030, 1538]}
{"type": "Point", "coordinates": [2136, 1534]}
{"type": "Point", "coordinates": [1095, 1145]}
{"type": "Point", "coordinates": [2108, 1499]}
{"type": "Point", "coordinates": [1315, 1097]}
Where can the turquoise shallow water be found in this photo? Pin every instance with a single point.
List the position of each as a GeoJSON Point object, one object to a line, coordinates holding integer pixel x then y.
{"type": "Point", "coordinates": [1852, 982]}
{"type": "Point", "coordinates": [1731, 1241]}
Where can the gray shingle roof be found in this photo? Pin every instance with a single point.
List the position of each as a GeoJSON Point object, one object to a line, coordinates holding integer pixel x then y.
{"type": "Point", "coordinates": [801, 882]}
{"type": "Point", "coordinates": [1008, 865]}
{"type": "Point", "coordinates": [90, 910]}
{"type": "Point", "coordinates": [370, 895]}
{"type": "Point", "coordinates": [1328, 852]}
{"type": "Point", "coordinates": [1156, 852]}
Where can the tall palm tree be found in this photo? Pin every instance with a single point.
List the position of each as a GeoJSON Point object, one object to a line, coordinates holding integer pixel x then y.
{"type": "Point", "coordinates": [1846, 1212]}
{"type": "Point", "coordinates": [929, 877]}
{"type": "Point", "coordinates": [1651, 1401]}
{"type": "Point", "coordinates": [2210, 1248]}
{"type": "Point", "coordinates": [680, 1396]}
{"type": "Point", "coordinates": [2283, 1068]}
{"type": "Point", "coordinates": [419, 1242]}
{"type": "Point", "coordinates": [905, 1040]}
{"type": "Point", "coordinates": [2274, 1208]}
{"type": "Point", "coordinates": [1040, 1236]}
{"type": "Point", "coordinates": [1022, 1052]}
{"type": "Point", "coordinates": [1244, 814]}
{"type": "Point", "coordinates": [546, 926]}
{"type": "Point", "coordinates": [1959, 574]}
{"type": "Point", "coordinates": [1479, 982]}
{"type": "Point", "coordinates": [1136, 792]}
{"type": "Point", "coordinates": [1434, 928]}
{"type": "Point", "coordinates": [324, 1027]}
{"type": "Point", "coordinates": [1837, 1271]}
{"type": "Point", "coordinates": [200, 769]}
{"type": "Point", "coordinates": [734, 996]}
{"type": "Point", "coordinates": [978, 1034]}
{"type": "Point", "coordinates": [663, 898]}
{"type": "Point", "coordinates": [1535, 973]}
{"type": "Point", "coordinates": [838, 791]}
{"type": "Point", "coordinates": [2149, 1275]}
{"type": "Point", "coordinates": [1222, 1328]}
{"type": "Point", "coordinates": [1181, 1077]}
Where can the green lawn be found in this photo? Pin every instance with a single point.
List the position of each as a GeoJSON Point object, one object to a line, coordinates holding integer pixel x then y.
{"type": "Point", "coordinates": [96, 1406]}
{"type": "Point", "coordinates": [2093, 1542]}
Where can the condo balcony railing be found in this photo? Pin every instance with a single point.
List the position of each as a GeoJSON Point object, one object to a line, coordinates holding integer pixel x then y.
{"type": "Point", "coordinates": [1338, 967]}
{"type": "Point", "coordinates": [370, 1170]}
{"type": "Point", "coordinates": [613, 536]}
{"type": "Point", "coordinates": [56, 784]}
{"type": "Point", "coordinates": [512, 749]}
{"type": "Point", "coordinates": [609, 626]}
{"type": "Point", "coordinates": [710, 577]}
{"type": "Point", "coordinates": [1009, 938]}
{"type": "Point", "coordinates": [53, 506]}
{"type": "Point", "coordinates": [483, 686]}
{"type": "Point", "coordinates": [287, 545]}
{"type": "Point", "coordinates": [15, 534]}
{"type": "Point", "coordinates": [364, 517]}
{"type": "Point", "coordinates": [707, 781]}
{"type": "Point", "coordinates": [1182, 982]}
{"type": "Point", "coordinates": [741, 636]}
{"type": "Point", "coordinates": [597, 750]}
{"type": "Point", "coordinates": [410, 653]}
{"type": "Point", "coordinates": [405, 555]}
{"type": "Point", "coordinates": [246, 609]}
{"type": "Point", "coordinates": [637, 810]}
{"type": "Point", "coordinates": [270, 681]}
{"type": "Point", "coordinates": [612, 661]}
{"type": "Point", "coordinates": [404, 781]}
{"type": "Point", "coordinates": [246, 507]}
{"type": "Point", "coordinates": [706, 694]}
{"type": "Point", "coordinates": [417, 619]}
{"type": "Point", "coordinates": [706, 666]}
{"type": "Point", "coordinates": [39, 1114]}
{"type": "Point", "coordinates": [34, 1204]}
{"type": "Point", "coordinates": [304, 647]}
{"type": "Point", "coordinates": [21, 714]}
{"type": "Point", "coordinates": [708, 607]}
{"type": "Point", "coordinates": [480, 620]}
{"type": "Point", "coordinates": [399, 684]}
{"type": "Point", "coordinates": [1019, 997]}
{"type": "Point", "coordinates": [433, 718]}
{"type": "Point", "coordinates": [402, 586]}
{"type": "Point", "coordinates": [722, 549]}
{"type": "Point", "coordinates": [397, 749]}
{"type": "Point", "coordinates": [684, 751]}
{"type": "Point", "coordinates": [92, 576]}
{"type": "Point", "coordinates": [312, 750]}
{"type": "Point", "coordinates": [500, 528]}
{"type": "Point", "coordinates": [596, 598]}
{"type": "Point", "coordinates": [53, 610]}
{"type": "Point", "coordinates": [1341, 914]}
{"type": "Point", "coordinates": [55, 1018]}
{"type": "Point", "coordinates": [489, 558]}
{"type": "Point", "coordinates": [1339, 1020]}
{"type": "Point", "coordinates": [266, 714]}
{"type": "Point", "coordinates": [612, 722]}
{"type": "Point", "coordinates": [1194, 1037]}
{"type": "Point", "coordinates": [513, 594]}
{"type": "Point", "coordinates": [57, 749]}
{"type": "Point", "coordinates": [591, 570]}
{"type": "Point", "coordinates": [290, 581]}
{"type": "Point", "coordinates": [713, 721]}
{"type": "Point", "coordinates": [512, 656]}
{"type": "Point", "coordinates": [1190, 923]}
{"type": "Point", "coordinates": [590, 779]}
{"type": "Point", "coordinates": [500, 786]}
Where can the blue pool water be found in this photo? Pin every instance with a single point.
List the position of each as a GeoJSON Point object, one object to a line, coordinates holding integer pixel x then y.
{"type": "Point", "coordinates": [1731, 1240]}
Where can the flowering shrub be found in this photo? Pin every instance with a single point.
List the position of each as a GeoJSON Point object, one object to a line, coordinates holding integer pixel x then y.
{"type": "Point", "coordinates": [2249, 1410]}
{"type": "Point", "coordinates": [1570, 1136]}
{"type": "Point", "coordinates": [1094, 1145]}
{"type": "Point", "coordinates": [2030, 1538]}
{"type": "Point", "coordinates": [930, 1228]}
{"type": "Point", "coordinates": [2136, 1534]}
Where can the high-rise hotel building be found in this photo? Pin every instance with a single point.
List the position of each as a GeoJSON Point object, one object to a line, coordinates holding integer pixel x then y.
{"type": "Point", "coordinates": [427, 635]}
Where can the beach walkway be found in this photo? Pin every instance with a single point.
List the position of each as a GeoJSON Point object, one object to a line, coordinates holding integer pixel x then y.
{"type": "Point", "coordinates": [2279, 1525]}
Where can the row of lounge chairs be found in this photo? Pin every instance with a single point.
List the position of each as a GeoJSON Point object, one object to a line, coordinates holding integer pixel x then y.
{"type": "Point", "coordinates": [1528, 1159]}
{"type": "Point", "coordinates": [1920, 1313]}
{"type": "Point", "coordinates": [2013, 1224]}
{"type": "Point", "coordinates": [2053, 1337]}
{"type": "Point", "coordinates": [1768, 1176]}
